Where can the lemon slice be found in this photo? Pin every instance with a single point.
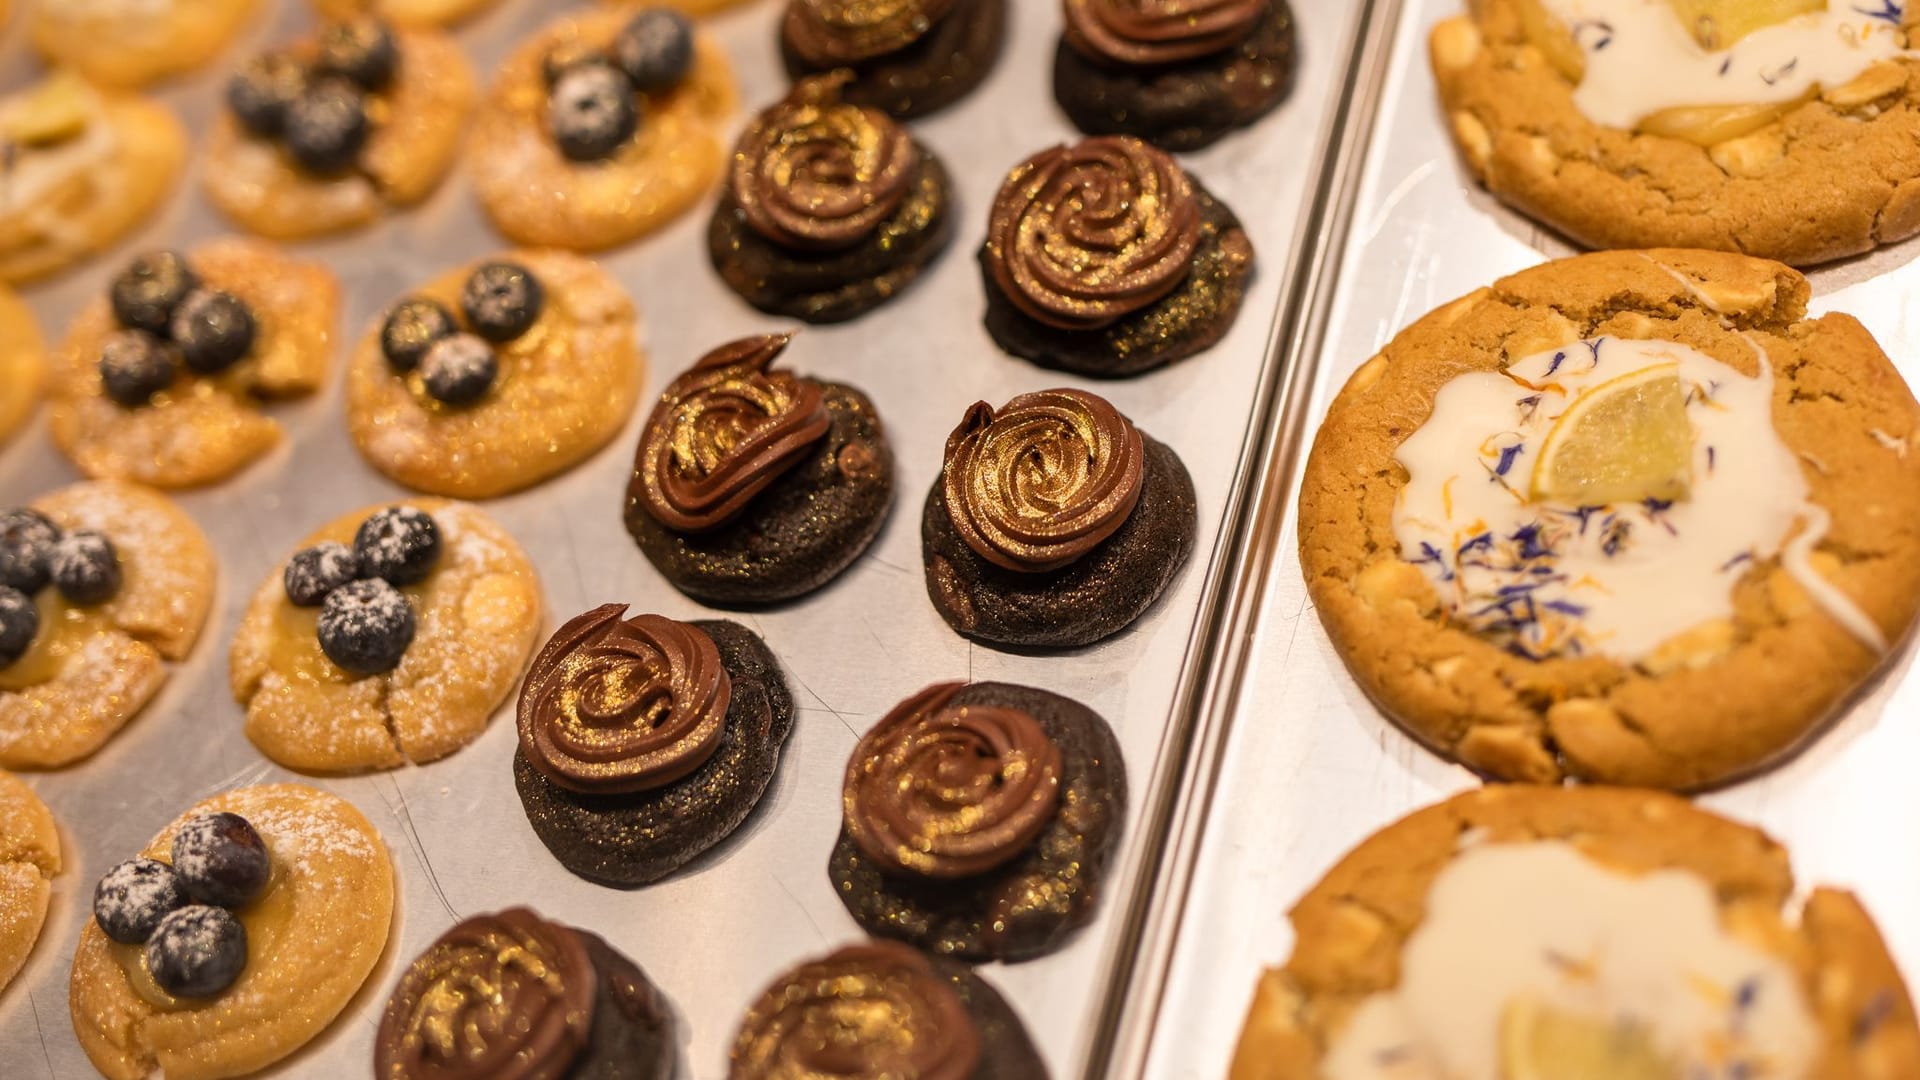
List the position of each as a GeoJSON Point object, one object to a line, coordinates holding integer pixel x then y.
{"type": "Point", "coordinates": [1538, 1042]}
{"type": "Point", "coordinates": [53, 111]}
{"type": "Point", "coordinates": [1718, 24]}
{"type": "Point", "coordinates": [1623, 441]}
{"type": "Point", "coordinates": [1553, 40]}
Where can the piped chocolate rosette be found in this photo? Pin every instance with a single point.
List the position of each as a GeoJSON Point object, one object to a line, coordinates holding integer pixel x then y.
{"type": "Point", "coordinates": [1108, 258]}
{"type": "Point", "coordinates": [955, 832]}
{"type": "Point", "coordinates": [908, 57]}
{"type": "Point", "coordinates": [830, 210]}
{"type": "Point", "coordinates": [512, 996]}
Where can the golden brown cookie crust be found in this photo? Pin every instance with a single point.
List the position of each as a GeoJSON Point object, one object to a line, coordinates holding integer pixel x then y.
{"type": "Point", "coordinates": [110, 673]}
{"type": "Point", "coordinates": [341, 882]}
{"type": "Point", "coordinates": [1833, 177]}
{"type": "Point", "coordinates": [405, 12]}
{"type": "Point", "coordinates": [29, 860]}
{"type": "Point", "coordinates": [1350, 929]}
{"type": "Point", "coordinates": [204, 429]}
{"type": "Point", "coordinates": [476, 629]}
{"type": "Point", "coordinates": [1674, 720]}
{"type": "Point", "coordinates": [566, 388]}
{"type": "Point", "coordinates": [537, 197]}
{"type": "Point", "coordinates": [117, 44]}
{"type": "Point", "coordinates": [23, 363]}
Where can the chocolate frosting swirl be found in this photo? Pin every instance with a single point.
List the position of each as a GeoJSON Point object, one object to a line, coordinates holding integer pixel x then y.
{"type": "Point", "coordinates": [817, 174]}
{"type": "Point", "coordinates": [874, 1010]}
{"type": "Point", "coordinates": [498, 997]}
{"type": "Point", "coordinates": [613, 706]}
{"type": "Point", "coordinates": [1085, 235]}
{"type": "Point", "coordinates": [946, 791]}
{"type": "Point", "coordinates": [827, 33]}
{"type": "Point", "coordinates": [1043, 481]}
{"type": "Point", "coordinates": [724, 431]}
{"type": "Point", "coordinates": [1144, 33]}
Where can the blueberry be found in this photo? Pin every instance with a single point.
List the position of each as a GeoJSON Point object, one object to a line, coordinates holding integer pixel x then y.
{"type": "Point", "coordinates": [19, 621]}
{"type": "Point", "coordinates": [221, 860]}
{"type": "Point", "coordinates": [459, 370]}
{"type": "Point", "coordinates": [316, 571]}
{"type": "Point", "coordinates": [655, 49]}
{"type": "Point", "coordinates": [501, 300]}
{"type": "Point", "coordinates": [26, 548]}
{"type": "Point", "coordinates": [135, 365]}
{"type": "Point", "coordinates": [197, 951]}
{"type": "Point", "coordinates": [326, 127]}
{"type": "Point", "coordinates": [366, 626]}
{"type": "Point", "coordinates": [213, 329]}
{"type": "Point", "coordinates": [86, 568]}
{"type": "Point", "coordinates": [362, 51]}
{"type": "Point", "coordinates": [398, 544]}
{"type": "Point", "coordinates": [260, 93]}
{"type": "Point", "coordinates": [591, 111]}
{"type": "Point", "coordinates": [133, 897]}
{"type": "Point", "coordinates": [147, 291]}
{"type": "Point", "coordinates": [411, 328]}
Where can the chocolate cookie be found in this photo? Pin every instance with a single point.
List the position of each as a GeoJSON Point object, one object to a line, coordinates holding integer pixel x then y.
{"type": "Point", "coordinates": [561, 1002]}
{"type": "Point", "coordinates": [753, 486]}
{"type": "Point", "coordinates": [943, 1022]}
{"type": "Point", "coordinates": [978, 820]}
{"type": "Point", "coordinates": [622, 793]}
{"type": "Point", "coordinates": [909, 57]}
{"type": "Point", "coordinates": [1108, 259]}
{"type": "Point", "coordinates": [1026, 546]}
{"type": "Point", "coordinates": [830, 209]}
{"type": "Point", "coordinates": [1179, 76]}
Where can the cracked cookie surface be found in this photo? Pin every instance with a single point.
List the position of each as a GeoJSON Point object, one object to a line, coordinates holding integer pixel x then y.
{"type": "Point", "coordinates": [405, 12]}
{"type": "Point", "coordinates": [29, 860]}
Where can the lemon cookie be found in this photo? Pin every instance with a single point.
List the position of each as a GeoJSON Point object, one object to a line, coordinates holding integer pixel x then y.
{"type": "Point", "coordinates": [130, 43]}
{"type": "Point", "coordinates": [496, 376]}
{"type": "Point", "coordinates": [603, 127]}
{"type": "Point", "coordinates": [1784, 129]}
{"type": "Point", "coordinates": [391, 636]}
{"type": "Point", "coordinates": [100, 585]}
{"type": "Point", "coordinates": [29, 859]}
{"type": "Point", "coordinates": [162, 381]}
{"type": "Point", "coordinates": [260, 911]}
{"type": "Point", "coordinates": [85, 166]}
{"type": "Point", "coordinates": [1533, 934]}
{"type": "Point", "coordinates": [23, 363]}
{"type": "Point", "coordinates": [1630, 517]}
{"type": "Point", "coordinates": [330, 133]}
{"type": "Point", "coordinates": [405, 12]}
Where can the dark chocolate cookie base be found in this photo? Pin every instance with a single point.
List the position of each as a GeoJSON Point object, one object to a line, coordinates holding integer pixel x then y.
{"type": "Point", "coordinates": [632, 1035]}
{"type": "Point", "coordinates": [1006, 1050]}
{"type": "Point", "coordinates": [1189, 320]}
{"type": "Point", "coordinates": [1184, 106]}
{"type": "Point", "coordinates": [799, 533]}
{"type": "Point", "coordinates": [1029, 906]}
{"type": "Point", "coordinates": [835, 286]}
{"type": "Point", "coordinates": [932, 73]}
{"type": "Point", "coordinates": [1092, 598]}
{"type": "Point", "coordinates": [630, 840]}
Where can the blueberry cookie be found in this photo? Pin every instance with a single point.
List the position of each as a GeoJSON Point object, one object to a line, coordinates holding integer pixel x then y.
{"type": "Point", "coordinates": [907, 57]}
{"type": "Point", "coordinates": [23, 363]}
{"type": "Point", "coordinates": [29, 860]}
{"type": "Point", "coordinates": [117, 44]}
{"type": "Point", "coordinates": [423, 13]}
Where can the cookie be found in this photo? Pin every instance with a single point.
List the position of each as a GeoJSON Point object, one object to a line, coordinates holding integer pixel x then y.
{"type": "Point", "coordinates": [643, 146]}
{"type": "Point", "coordinates": [880, 1009]}
{"type": "Point", "coordinates": [94, 659]}
{"type": "Point", "coordinates": [310, 940]}
{"type": "Point", "coordinates": [1179, 76]}
{"type": "Point", "coordinates": [320, 703]}
{"type": "Point", "coordinates": [752, 486]}
{"type": "Point", "coordinates": [910, 58]}
{"type": "Point", "coordinates": [115, 44]}
{"type": "Point", "coordinates": [830, 209]}
{"type": "Point", "coordinates": [23, 363]}
{"type": "Point", "coordinates": [1108, 259]}
{"type": "Point", "coordinates": [560, 1002]}
{"type": "Point", "coordinates": [86, 167]}
{"type": "Point", "coordinates": [332, 132]}
{"type": "Point", "coordinates": [426, 13]}
{"type": "Point", "coordinates": [165, 385]}
{"type": "Point", "coordinates": [1055, 522]}
{"type": "Point", "coordinates": [1673, 586]}
{"type": "Point", "coordinates": [1529, 932]}
{"type": "Point", "coordinates": [560, 372]}
{"type": "Point", "coordinates": [29, 860]}
{"type": "Point", "coordinates": [644, 742]}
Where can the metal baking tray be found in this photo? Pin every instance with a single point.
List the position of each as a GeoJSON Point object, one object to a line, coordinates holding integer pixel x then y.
{"type": "Point", "coordinates": [1293, 766]}
{"type": "Point", "coordinates": [715, 934]}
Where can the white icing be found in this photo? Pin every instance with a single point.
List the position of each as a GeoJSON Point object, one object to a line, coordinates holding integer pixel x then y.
{"type": "Point", "coordinates": [1542, 922]}
{"type": "Point", "coordinates": [1642, 59]}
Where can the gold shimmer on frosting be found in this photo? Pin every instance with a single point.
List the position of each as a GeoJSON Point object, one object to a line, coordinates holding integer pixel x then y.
{"type": "Point", "coordinates": [498, 997]}
{"type": "Point", "coordinates": [1143, 33]}
{"type": "Point", "coordinates": [878, 1010]}
{"type": "Point", "coordinates": [947, 792]}
{"type": "Point", "coordinates": [612, 706]}
{"type": "Point", "coordinates": [1082, 236]}
{"type": "Point", "coordinates": [1044, 480]}
{"type": "Point", "coordinates": [724, 431]}
{"type": "Point", "coordinates": [815, 173]}
{"type": "Point", "coordinates": [826, 32]}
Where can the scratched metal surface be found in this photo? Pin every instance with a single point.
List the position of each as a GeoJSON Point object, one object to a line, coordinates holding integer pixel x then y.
{"type": "Point", "coordinates": [713, 936]}
{"type": "Point", "coordinates": [1309, 767]}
